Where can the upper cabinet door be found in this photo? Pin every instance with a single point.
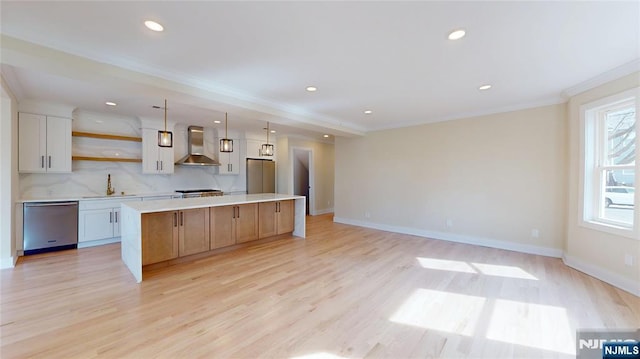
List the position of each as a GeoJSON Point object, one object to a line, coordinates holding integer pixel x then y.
{"type": "Point", "coordinates": [58, 145]}
{"type": "Point", "coordinates": [44, 144]}
{"type": "Point", "coordinates": [155, 159]}
{"type": "Point", "coordinates": [32, 143]}
{"type": "Point", "coordinates": [230, 161]}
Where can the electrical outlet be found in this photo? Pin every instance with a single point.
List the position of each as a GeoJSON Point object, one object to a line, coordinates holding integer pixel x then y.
{"type": "Point", "coordinates": [535, 233]}
{"type": "Point", "coordinates": [628, 259]}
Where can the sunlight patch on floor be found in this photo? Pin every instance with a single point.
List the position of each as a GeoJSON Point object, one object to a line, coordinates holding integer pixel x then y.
{"type": "Point", "coordinates": [533, 325]}
{"type": "Point", "coordinates": [446, 264]}
{"type": "Point", "coordinates": [503, 271]}
{"type": "Point", "coordinates": [482, 268]}
{"type": "Point", "coordinates": [443, 311]}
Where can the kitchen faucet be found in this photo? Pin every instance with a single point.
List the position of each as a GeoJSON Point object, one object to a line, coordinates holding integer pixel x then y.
{"type": "Point", "coordinates": [110, 190]}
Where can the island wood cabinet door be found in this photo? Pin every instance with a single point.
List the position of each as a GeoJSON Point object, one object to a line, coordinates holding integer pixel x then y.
{"type": "Point", "coordinates": [233, 224]}
{"type": "Point", "coordinates": [246, 222]}
{"type": "Point", "coordinates": [275, 218]}
{"type": "Point", "coordinates": [223, 231]}
{"type": "Point", "coordinates": [284, 216]}
{"type": "Point", "coordinates": [193, 231]}
{"type": "Point", "coordinates": [160, 233]}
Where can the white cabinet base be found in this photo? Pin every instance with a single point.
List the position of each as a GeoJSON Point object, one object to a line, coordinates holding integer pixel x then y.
{"type": "Point", "coordinates": [99, 242]}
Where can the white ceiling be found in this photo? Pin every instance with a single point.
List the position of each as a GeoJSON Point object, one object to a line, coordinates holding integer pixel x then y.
{"type": "Point", "coordinates": [254, 59]}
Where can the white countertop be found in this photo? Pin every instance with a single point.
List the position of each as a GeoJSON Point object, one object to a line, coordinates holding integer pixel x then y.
{"type": "Point", "coordinates": [189, 203]}
{"type": "Point", "coordinates": [90, 197]}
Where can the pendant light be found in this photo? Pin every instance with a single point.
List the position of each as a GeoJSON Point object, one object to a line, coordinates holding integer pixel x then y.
{"type": "Point", "coordinates": [165, 138]}
{"type": "Point", "coordinates": [267, 149]}
{"type": "Point", "coordinates": [226, 145]}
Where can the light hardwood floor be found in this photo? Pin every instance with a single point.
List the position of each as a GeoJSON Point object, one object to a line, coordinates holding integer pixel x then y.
{"type": "Point", "coordinates": [343, 292]}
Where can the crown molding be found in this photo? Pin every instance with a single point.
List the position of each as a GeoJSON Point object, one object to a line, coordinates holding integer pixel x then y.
{"type": "Point", "coordinates": [613, 74]}
{"type": "Point", "coordinates": [463, 115]}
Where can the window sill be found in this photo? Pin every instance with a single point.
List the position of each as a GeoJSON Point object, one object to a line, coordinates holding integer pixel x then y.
{"type": "Point", "coordinates": [609, 228]}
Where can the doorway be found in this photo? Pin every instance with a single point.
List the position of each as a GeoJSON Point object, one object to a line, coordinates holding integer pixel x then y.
{"type": "Point", "coordinates": [303, 175]}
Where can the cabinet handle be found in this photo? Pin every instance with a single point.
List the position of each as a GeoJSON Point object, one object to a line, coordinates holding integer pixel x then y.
{"type": "Point", "coordinates": [161, 163]}
{"type": "Point", "coordinates": [42, 161]}
{"type": "Point", "coordinates": [238, 207]}
{"type": "Point", "coordinates": [110, 217]}
{"type": "Point", "coordinates": [116, 215]}
{"type": "Point", "coordinates": [181, 218]}
{"type": "Point", "coordinates": [157, 165]}
{"type": "Point", "coordinates": [49, 161]}
{"type": "Point", "coordinates": [175, 219]}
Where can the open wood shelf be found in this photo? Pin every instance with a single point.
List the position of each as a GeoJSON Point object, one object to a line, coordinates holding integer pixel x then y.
{"type": "Point", "coordinates": [106, 137]}
{"type": "Point", "coordinates": [106, 159]}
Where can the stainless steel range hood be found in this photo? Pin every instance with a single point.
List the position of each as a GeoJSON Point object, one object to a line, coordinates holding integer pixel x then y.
{"type": "Point", "coordinates": [195, 144]}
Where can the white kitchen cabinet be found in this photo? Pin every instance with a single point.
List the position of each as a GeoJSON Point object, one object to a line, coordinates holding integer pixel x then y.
{"type": "Point", "coordinates": [254, 149]}
{"type": "Point", "coordinates": [99, 221]}
{"type": "Point", "coordinates": [155, 159]}
{"type": "Point", "coordinates": [229, 161]}
{"type": "Point", "coordinates": [44, 144]}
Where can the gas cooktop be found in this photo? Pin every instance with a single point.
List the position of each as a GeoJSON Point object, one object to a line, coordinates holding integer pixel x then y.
{"type": "Point", "coordinates": [197, 190]}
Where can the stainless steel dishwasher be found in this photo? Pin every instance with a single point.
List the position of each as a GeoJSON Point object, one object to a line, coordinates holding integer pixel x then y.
{"type": "Point", "coordinates": [50, 226]}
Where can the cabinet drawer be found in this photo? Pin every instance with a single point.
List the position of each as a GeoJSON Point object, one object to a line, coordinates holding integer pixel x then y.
{"type": "Point", "coordinates": [105, 203]}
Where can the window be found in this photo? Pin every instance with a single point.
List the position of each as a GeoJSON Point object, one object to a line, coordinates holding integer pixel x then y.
{"type": "Point", "coordinates": [610, 156]}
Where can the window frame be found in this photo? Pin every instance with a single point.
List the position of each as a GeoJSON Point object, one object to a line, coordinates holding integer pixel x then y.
{"type": "Point", "coordinates": [593, 150]}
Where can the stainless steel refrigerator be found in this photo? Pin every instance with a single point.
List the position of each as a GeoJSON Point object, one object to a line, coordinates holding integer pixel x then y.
{"type": "Point", "coordinates": [261, 176]}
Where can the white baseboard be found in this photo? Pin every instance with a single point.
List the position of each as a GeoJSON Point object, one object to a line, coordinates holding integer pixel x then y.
{"type": "Point", "coordinates": [8, 262]}
{"type": "Point", "coordinates": [604, 275]}
{"type": "Point", "coordinates": [322, 211]}
{"type": "Point", "coordinates": [458, 238]}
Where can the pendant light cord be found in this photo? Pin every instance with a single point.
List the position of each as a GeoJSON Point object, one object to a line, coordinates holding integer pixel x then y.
{"type": "Point", "coordinates": [165, 115]}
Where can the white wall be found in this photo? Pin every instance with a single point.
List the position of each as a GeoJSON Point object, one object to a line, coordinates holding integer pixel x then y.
{"type": "Point", "coordinates": [8, 176]}
{"type": "Point", "coordinates": [592, 251]}
{"type": "Point", "coordinates": [495, 179]}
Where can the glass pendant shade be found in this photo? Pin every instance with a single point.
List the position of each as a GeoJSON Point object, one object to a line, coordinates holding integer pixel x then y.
{"type": "Point", "coordinates": [226, 144]}
{"type": "Point", "coordinates": [267, 150]}
{"type": "Point", "coordinates": [165, 138]}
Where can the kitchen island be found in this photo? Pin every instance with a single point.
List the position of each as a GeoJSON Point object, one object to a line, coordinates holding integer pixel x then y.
{"type": "Point", "coordinates": [161, 230]}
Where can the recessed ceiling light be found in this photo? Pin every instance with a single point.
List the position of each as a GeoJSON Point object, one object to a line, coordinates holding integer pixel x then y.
{"type": "Point", "coordinates": [216, 121]}
{"type": "Point", "coordinates": [109, 103]}
{"type": "Point", "coordinates": [312, 88]}
{"type": "Point", "coordinates": [368, 112]}
{"type": "Point", "coordinates": [484, 87]}
{"type": "Point", "coordinates": [152, 25]}
{"type": "Point", "coordinates": [325, 136]}
{"type": "Point", "coordinates": [456, 34]}
{"type": "Point", "coordinates": [273, 131]}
